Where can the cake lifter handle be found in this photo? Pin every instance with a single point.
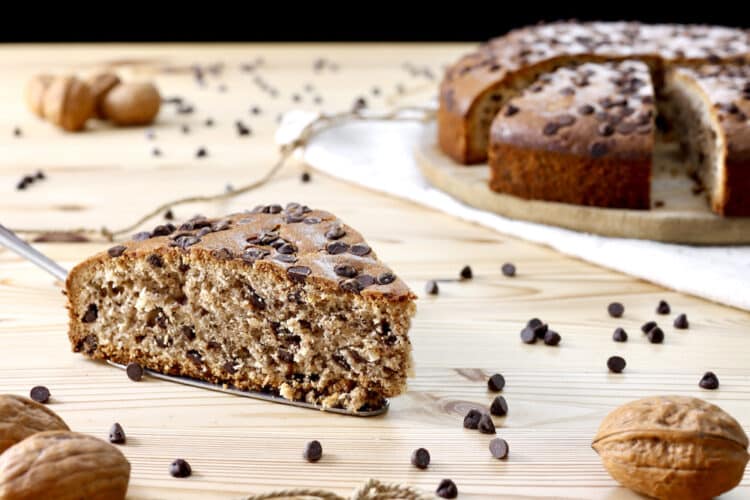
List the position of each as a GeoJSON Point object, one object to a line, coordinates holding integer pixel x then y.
{"type": "Point", "coordinates": [11, 241]}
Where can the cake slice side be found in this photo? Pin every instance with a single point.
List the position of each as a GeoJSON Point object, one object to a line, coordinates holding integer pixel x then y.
{"type": "Point", "coordinates": [301, 309]}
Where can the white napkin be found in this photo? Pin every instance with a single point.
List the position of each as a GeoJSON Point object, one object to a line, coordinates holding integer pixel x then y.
{"type": "Point", "coordinates": [379, 156]}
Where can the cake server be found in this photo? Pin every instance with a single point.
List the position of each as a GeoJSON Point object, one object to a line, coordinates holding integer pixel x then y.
{"type": "Point", "coordinates": [12, 242]}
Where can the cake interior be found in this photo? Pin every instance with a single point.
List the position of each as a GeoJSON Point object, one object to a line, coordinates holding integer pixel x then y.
{"type": "Point", "coordinates": [246, 326]}
{"type": "Point", "coordinates": [696, 125]}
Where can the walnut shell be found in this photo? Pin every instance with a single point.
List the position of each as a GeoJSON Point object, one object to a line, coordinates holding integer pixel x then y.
{"type": "Point", "coordinates": [63, 465]}
{"type": "Point", "coordinates": [68, 103]}
{"type": "Point", "coordinates": [101, 84]}
{"type": "Point", "coordinates": [673, 447]}
{"type": "Point", "coordinates": [21, 417]}
{"type": "Point", "coordinates": [130, 104]}
{"type": "Point", "coordinates": [35, 91]}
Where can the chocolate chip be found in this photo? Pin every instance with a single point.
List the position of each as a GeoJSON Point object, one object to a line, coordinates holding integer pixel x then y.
{"type": "Point", "coordinates": [550, 128]}
{"type": "Point", "coordinates": [655, 335]}
{"type": "Point", "coordinates": [552, 338]}
{"type": "Point", "coordinates": [201, 153]}
{"type": "Point", "coordinates": [312, 220]}
{"type": "Point", "coordinates": [351, 285]}
{"type": "Point", "coordinates": [616, 309]}
{"type": "Point", "coordinates": [163, 230]}
{"type": "Point", "coordinates": [337, 247]}
{"type": "Point", "coordinates": [185, 129]}
{"type": "Point", "coordinates": [116, 434]}
{"type": "Point", "coordinates": [648, 326]}
{"type": "Point", "coordinates": [251, 254]}
{"type": "Point", "coordinates": [155, 260]}
{"type": "Point", "coordinates": [528, 335]}
{"type": "Point", "coordinates": [286, 248]}
{"type": "Point", "coordinates": [386, 278]}
{"type": "Point", "coordinates": [499, 448]}
{"type": "Point", "coordinates": [709, 381]}
{"type": "Point", "coordinates": [586, 109]}
{"type": "Point", "coordinates": [305, 177]}
{"type": "Point", "coordinates": [431, 287]}
{"type": "Point", "coordinates": [620, 335]}
{"type": "Point", "coordinates": [335, 232]}
{"type": "Point", "coordinates": [365, 280]}
{"type": "Point", "coordinates": [626, 128]}
{"type": "Point", "coordinates": [466, 273]}
{"type": "Point", "coordinates": [242, 129]}
{"type": "Point", "coordinates": [681, 322]}
{"type": "Point", "coordinates": [499, 406]}
{"type": "Point", "coordinates": [486, 425]}
{"type": "Point", "coordinates": [180, 468]}
{"type": "Point", "coordinates": [313, 451]}
{"type": "Point", "coordinates": [134, 372]}
{"type": "Point", "coordinates": [345, 270]}
{"type": "Point", "coordinates": [298, 274]}
{"type": "Point", "coordinates": [471, 420]}
{"type": "Point", "coordinates": [40, 394]}
{"type": "Point", "coordinates": [616, 364]}
{"type": "Point", "coordinates": [195, 357]}
{"type": "Point", "coordinates": [92, 312]}
{"type": "Point", "coordinates": [662, 308]}
{"type": "Point", "coordinates": [605, 129]}
{"type": "Point", "coordinates": [508, 270]}
{"type": "Point", "coordinates": [188, 332]}
{"type": "Point", "coordinates": [420, 458]}
{"type": "Point", "coordinates": [511, 110]}
{"type": "Point", "coordinates": [598, 149]}
{"type": "Point", "coordinates": [141, 236]}
{"type": "Point", "coordinates": [360, 249]}
{"type": "Point", "coordinates": [116, 250]}
{"type": "Point", "coordinates": [286, 258]}
{"type": "Point", "coordinates": [496, 382]}
{"type": "Point", "coordinates": [447, 489]}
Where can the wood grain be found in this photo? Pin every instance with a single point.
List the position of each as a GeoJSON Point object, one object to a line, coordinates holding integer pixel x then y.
{"type": "Point", "coordinates": [557, 396]}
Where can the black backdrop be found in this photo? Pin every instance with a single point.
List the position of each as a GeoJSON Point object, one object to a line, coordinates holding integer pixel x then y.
{"type": "Point", "coordinates": [203, 20]}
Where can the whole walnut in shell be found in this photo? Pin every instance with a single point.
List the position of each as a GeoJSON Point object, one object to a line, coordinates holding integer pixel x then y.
{"type": "Point", "coordinates": [130, 104]}
{"type": "Point", "coordinates": [68, 103]}
{"type": "Point", "coordinates": [21, 417]}
{"type": "Point", "coordinates": [671, 447]}
{"type": "Point", "coordinates": [101, 84]}
{"type": "Point", "coordinates": [35, 91]}
{"type": "Point", "coordinates": [63, 465]}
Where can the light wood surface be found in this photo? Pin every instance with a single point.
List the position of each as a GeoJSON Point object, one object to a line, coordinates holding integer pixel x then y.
{"type": "Point", "coordinates": [682, 216]}
{"type": "Point", "coordinates": [557, 396]}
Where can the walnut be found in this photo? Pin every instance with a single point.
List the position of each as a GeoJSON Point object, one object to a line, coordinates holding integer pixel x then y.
{"type": "Point", "coordinates": [64, 465]}
{"type": "Point", "coordinates": [673, 447]}
{"type": "Point", "coordinates": [101, 84]}
{"type": "Point", "coordinates": [68, 103]}
{"type": "Point", "coordinates": [130, 104]}
{"type": "Point", "coordinates": [21, 417]}
{"type": "Point", "coordinates": [35, 90]}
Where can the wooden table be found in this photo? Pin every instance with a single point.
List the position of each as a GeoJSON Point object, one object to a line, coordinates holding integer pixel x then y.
{"type": "Point", "coordinates": [557, 396]}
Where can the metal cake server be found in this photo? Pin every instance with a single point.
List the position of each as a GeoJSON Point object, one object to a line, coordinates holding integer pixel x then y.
{"type": "Point", "coordinates": [11, 241]}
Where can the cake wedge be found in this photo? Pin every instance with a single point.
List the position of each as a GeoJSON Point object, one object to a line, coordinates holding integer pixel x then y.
{"type": "Point", "coordinates": [285, 300]}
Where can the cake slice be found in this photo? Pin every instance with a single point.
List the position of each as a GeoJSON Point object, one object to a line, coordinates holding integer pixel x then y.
{"type": "Point", "coordinates": [582, 134]}
{"type": "Point", "coordinates": [285, 300]}
{"type": "Point", "coordinates": [710, 108]}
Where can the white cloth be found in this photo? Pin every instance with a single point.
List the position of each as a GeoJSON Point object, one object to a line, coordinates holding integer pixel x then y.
{"type": "Point", "coordinates": [379, 156]}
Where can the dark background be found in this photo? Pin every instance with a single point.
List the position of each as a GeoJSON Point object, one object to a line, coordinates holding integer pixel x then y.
{"type": "Point", "coordinates": [352, 21]}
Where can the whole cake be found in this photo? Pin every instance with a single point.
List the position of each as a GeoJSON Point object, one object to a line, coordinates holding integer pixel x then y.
{"type": "Point", "coordinates": [475, 89]}
{"type": "Point", "coordinates": [285, 300]}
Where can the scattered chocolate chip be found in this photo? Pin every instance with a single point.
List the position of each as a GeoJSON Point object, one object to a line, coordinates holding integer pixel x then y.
{"type": "Point", "coordinates": [431, 287]}
{"type": "Point", "coordinates": [305, 177]}
{"type": "Point", "coordinates": [620, 335]}
{"type": "Point", "coordinates": [298, 274]}
{"type": "Point", "coordinates": [185, 129]}
{"type": "Point", "coordinates": [486, 425]}
{"type": "Point", "coordinates": [420, 458]}
{"type": "Point", "coordinates": [92, 312]}
{"type": "Point", "coordinates": [447, 489]}
{"type": "Point", "coordinates": [499, 448]}
{"type": "Point", "coordinates": [552, 338]}
{"type": "Point", "coordinates": [615, 309]}
{"type": "Point", "coordinates": [648, 326]}
{"type": "Point", "coordinates": [655, 335]}
{"type": "Point", "coordinates": [40, 394]}
{"type": "Point", "coordinates": [499, 406]}
{"type": "Point", "coordinates": [134, 372]}
{"type": "Point", "coordinates": [466, 273]}
{"type": "Point", "coordinates": [116, 250]}
{"type": "Point", "coordinates": [209, 122]}
{"type": "Point", "coordinates": [709, 380]}
{"type": "Point", "coordinates": [180, 468]}
{"type": "Point", "coordinates": [116, 434]}
{"type": "Point", "coordinates": [528, 335]}
{"type": "Point", "coordinates": [662, 308]}
{"type": "Point", "coordinates": [201, 153]}
{"type": "Point", "coordinates": [169, 215]}
{"type": "Point", "coordinates": [39, 175]}
{"type": "Point", "coordinates": [17, 132]}
{"type": "Point", "coordinates": [386, 278]}
{"type": "Point", "coordinates": [496, 382]}
{"type": "Point", "coordinates": [242, 129]}
{"type": "Point", "coordinates": [313, 451]}
{"type": "Point", "coordinates": [508, 270]}
{"type": "Point", "coordinates": [681, 322]}
{"type": "Point", "coordinates": [359, 104]}
{"type": "Point", "coordinates": [616, 364]}
{"type": "Point", "coordinates": [471, 420]}
{"type": "Point", "coordinates": [359, 249]}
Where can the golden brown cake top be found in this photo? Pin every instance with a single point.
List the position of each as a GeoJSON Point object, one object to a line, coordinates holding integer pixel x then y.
{"type": "Point", "coordinates": [525, 47]}
{"type": "Point", "coordinates": [727, 88]}
{"type": "Point", "coordinates": [590, 109]}
{"type": "Point", "coordinates": [304, 243]}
